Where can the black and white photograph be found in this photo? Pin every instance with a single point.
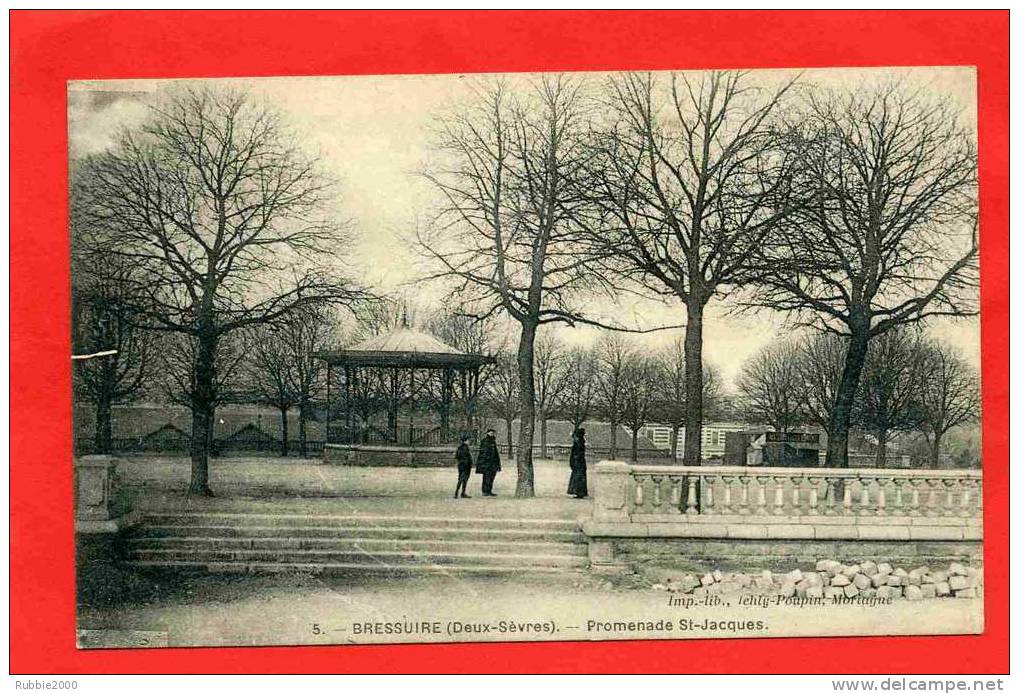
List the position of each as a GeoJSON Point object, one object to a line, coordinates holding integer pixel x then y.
{"type": "Point", "coordinates": [526, 357]}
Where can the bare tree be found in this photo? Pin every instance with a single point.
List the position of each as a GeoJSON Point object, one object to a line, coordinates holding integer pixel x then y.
{"type": "Point", "coordinates": [577, 399]}
{"type": "Point", "coordinates": [225, 219]}
{"type": "Point", "coordinates": [512, 180]}
{"type": "Point", "coordinates": [884, 234]}
{"type": "Point", "coordinates": [104, 320]}
{"type": "Point", "coordinates": [613, 354]}
{"type": "Point", "coordinates": [283, 369]}
{"type": "Point", "coordinates": [821, 360]}
{"type": "Point", "coordinates": [950, 396]}
{"type": "Point", "coordinates": [550, 383]}
{"type": "Point", "coordinates": [177, 372]}
{"type": "Point", "coordinates": [270, 375]}
{"type": "Point", "coordinates": [502, 394]}
{"type": "Point", "coordinates": [640, 385]}
{"type": "Point", "coordinates": [770, 384]}
{"type": "Point", "coordinates": [888, 400]}
{"type": "Point", "coordinates": [691, 181]}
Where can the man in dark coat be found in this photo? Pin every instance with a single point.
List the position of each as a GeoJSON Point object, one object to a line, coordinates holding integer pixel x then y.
{"type": "Point", "coordinates": [488, 462]}
{"type": "Point", "coordinates": [464, 462]}
{"type": "Point", "coordinates": [578, 466]}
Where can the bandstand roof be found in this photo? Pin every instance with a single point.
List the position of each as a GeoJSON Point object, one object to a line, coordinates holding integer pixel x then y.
{"type": "Point", "coordinates": [404, 348]}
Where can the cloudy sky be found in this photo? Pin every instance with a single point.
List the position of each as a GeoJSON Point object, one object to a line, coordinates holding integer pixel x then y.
{"type": "Point", "coordinates": [373, 134]}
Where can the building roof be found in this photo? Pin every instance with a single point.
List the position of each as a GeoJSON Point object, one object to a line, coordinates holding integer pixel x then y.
{"type": "Point", "coordinates": [404, 347]}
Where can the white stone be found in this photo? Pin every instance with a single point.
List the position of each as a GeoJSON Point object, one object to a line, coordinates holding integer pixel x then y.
{"type": "Point", "coordinates": [850, 570]}
{"type": "Point", "coordinates": [862, 581]}
{"type": "Point", "coordinates": [913, 593]}
{"type": "Point", "coordinates": [895, 581]}
{"type": "Point", "coordinates": [833, 592]}
{"type": "Point", "coordinates": [707, 580]}
{"type": "Point", "coordinates": [869, 568]}
{"type": "Point", "coordinates": [968, 593]}
{"type": "Point", "coordinates": [794, 576]}
{"type": "Point", "coordinates": [879, 580]}
{"type": "Point", "coordinates": [942, 588]}
{"type": "Point", "coordinates": [956, 569]}
{"type": "Point", "coordinates": [815, 592]}
{"type": "Point", "coordinates": [884, 568]}
{"type": "Point", "coordinates": [927, 589]}
{"type": "Point", "coordinates": [841, 581]}
{"type": "Point", "coordinates": [958, 583]}
{"type": "Point", "coordinates": [851, 591]}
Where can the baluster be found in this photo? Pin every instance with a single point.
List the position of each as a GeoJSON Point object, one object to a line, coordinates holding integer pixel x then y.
{"type": "Point", "coordinates": [762, 495]}
{"type": "Point", "coordinates": [795, 509]}
{"type": "Point", "coordinates": [708, 506]}
{"type": "Point", "coordinates": [727, 494]}
{"type": "Point", "coordinates": [830, 500]}
{"type": "Point", "coordinates": [949, 503]}
{"type": "Point", "coordinates": [914, 498]}
{"type": "Point", "coordinates": [847, 497]}
{"type": "Point", "coordinates": [744, 496]}
{"type": "Point", "coordinates": [779, 509]}
{"type": "Point", "coordinates": [656, 497]}
{"type": "Point", "coordinates": [815, 491]}
{"type": "Point", "coordinates": [964, 499]}
{"type": "Point", "coordinates": [865, 483]}
{"type": "Point", "coordinates": [638, 496]}
{"type": "Point", "coordinates": [881, 496]}
{"type": "Point", "coordinates": [932, 497]}
{"type": "Point", "coordinates": [691, 497]}
{"type": "Point", "coordinates": [675, 483]}
{"type": "Point", "coordinates": [897, 498]}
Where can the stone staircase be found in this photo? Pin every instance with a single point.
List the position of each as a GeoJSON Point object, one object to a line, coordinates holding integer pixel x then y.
{"type": "Point", "coordinates": [255, 543]}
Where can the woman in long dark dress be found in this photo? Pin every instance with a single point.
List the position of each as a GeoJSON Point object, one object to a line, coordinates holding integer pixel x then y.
{"type": "Point", "coordinates": [578, 467]}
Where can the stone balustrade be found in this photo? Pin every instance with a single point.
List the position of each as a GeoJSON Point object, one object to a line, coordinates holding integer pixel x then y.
{"type": "Point", "coordinates": [925, 511]}
{"type": "Point", "coordinates": [672, 492]}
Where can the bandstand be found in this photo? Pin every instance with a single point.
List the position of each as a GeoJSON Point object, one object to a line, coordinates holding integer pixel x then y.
{"type": "Point", "coordinates": [400, 398]}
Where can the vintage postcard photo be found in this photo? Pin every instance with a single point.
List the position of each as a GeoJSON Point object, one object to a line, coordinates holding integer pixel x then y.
{"type": "Point", "coordinates": [519, 357]}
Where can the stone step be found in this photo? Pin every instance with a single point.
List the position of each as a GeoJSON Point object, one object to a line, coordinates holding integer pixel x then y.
{"type": "Point", "coordinates": [346, 520]}
{"type": "Point", "coordinates": [418, 532]}
{"type": "Point", "coordinates": [358, 543]}
{"type": "Point", "coordinates": [380, 569]}
{"type": "Point", "coordinates": [403, 558]}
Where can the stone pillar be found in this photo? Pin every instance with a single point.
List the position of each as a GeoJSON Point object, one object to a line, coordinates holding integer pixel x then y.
{"type": "Point", "coordinates": [93, 488]}
{"type": "Point", "coordinates": [611, 479]}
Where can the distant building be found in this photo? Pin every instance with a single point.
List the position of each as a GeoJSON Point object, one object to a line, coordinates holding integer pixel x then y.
{"type": "Point", "coordinates": [713, 436]}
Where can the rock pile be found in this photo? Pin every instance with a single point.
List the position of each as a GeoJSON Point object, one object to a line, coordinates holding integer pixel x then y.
{"type": "Point", "coordinates": [833, 579]}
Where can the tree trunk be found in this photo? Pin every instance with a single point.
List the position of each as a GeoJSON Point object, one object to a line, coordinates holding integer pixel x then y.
{"type": "Point", "coordinates": [612, 440]}
{"type": "Point", "coordinates": [692, 346]}
{"type": "Point", "coordinates": [285, 428]}
{"type": "Point", "coordinates": [674, 441]}
{"type": "Point", "coordinates": [202, 407]}
{"type": "Point", "coordinates": [525, 366]}
{"type": "Point", "coordinates": [509, 438]}
{"type": "Point", "coordinates": [881, 459]}
{"type": "Point", "coordinates": [936, 451]}
{"type": "Point", "coordinates": [544, 435]}
{"type": "Point", "coordinates": [633, 446]}
{"type": "Point", "coordinates": [838, 436]}
{"type": "Point", "coordinates": [302, 430]}
{"type": "Point", "coordinates": [104, 424]}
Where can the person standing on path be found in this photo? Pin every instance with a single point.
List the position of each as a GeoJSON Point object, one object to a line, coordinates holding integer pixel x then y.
{"type": "Point", "coordinates": [578, 466]}
{"type": "Point", "coordinates": [464, 462]}
{"type": "Point", "coordinates": [488, 462]}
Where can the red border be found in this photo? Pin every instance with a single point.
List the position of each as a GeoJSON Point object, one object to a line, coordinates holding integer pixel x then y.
{"type": "Point", "coordinates": [48, 48]}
